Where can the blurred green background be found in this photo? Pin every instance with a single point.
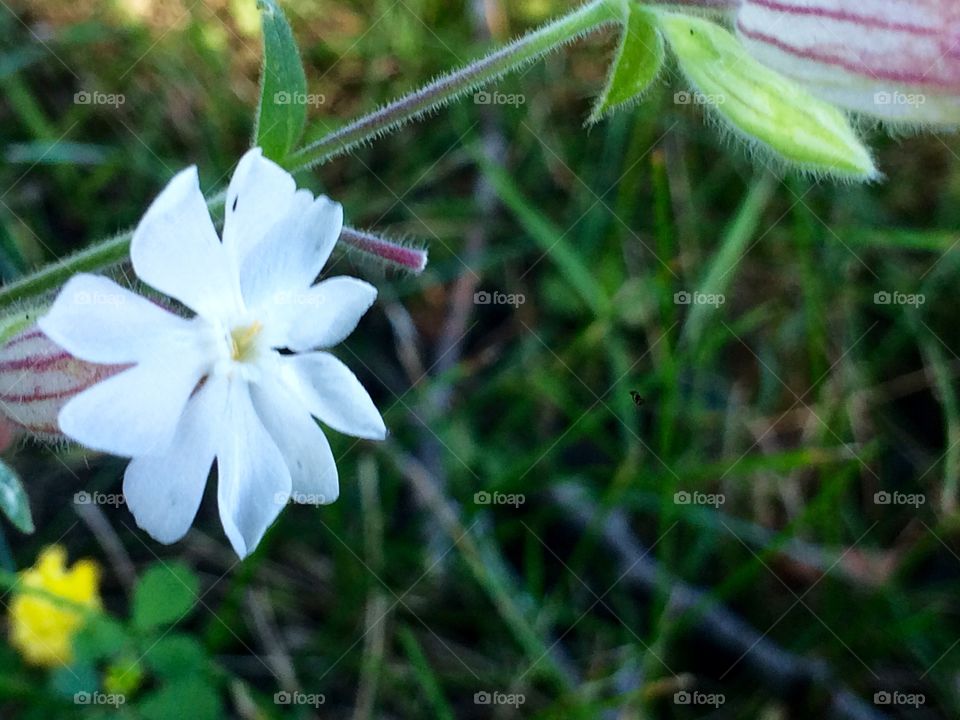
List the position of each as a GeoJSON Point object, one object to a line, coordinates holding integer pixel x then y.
{"type": "Point", "coordinates": [718, 534]}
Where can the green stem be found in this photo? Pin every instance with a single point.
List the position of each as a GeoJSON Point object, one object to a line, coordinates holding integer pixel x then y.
{"type": "Point", "coordinates": [449, 87]}
{"type": "Point", "coordinates": [50, 277]}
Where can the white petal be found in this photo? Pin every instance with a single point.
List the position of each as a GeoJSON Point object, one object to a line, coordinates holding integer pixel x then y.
{"type": "Point", "coordinates": [136, 412]}
{"type": "Point", "coordinates": [253, 484]}
{"type": "Point", "coordinates": [320, 317]}
{"type": "Point", "coordinates": [163, 490]}
{"type": "Point", "coordinates": [259, 195]}
{"type": "Point", "coordinates": [175, 249]}
{"type": "Point", "coordinates": [305, 449]}
{"type": "Point", "coordinates": [294, 250]}
{"type": "Point", "coordinates": [333, 394]}
{"type": "Point", "coordinates": [96, 320]}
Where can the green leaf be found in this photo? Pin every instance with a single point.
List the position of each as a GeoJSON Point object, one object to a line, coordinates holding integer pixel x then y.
{"type": "Point", "coordinates": [430, 683]}
{"type": "Point", "coordinates": [282, 112]}
{"type": "Point", "coordinates": [551, 239]}
{"type": "Point", "coordinates": [101, 637]}
{"type": "Point", "coordinates": [637, 64]}
{"type": "Point", "coordinates": [762, 105]}
{"type": "Point", "coordinates": [164, 595]}
{"type": "Point", "coordinates": [175, 656]}
{"type": "Point", "coordinates": [725, 261]}
{"type": "Point", "coordinates": [191, 697]}
{"type": "Point", "coordinates": [13, 499]}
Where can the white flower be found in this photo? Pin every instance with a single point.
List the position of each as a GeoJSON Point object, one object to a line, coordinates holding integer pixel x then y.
{"type": "Point", "coordinates": [216, 385]}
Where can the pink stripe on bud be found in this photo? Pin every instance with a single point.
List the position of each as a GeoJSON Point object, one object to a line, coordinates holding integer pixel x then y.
{"type": "Point", "coordinates": [892, 59]}
{"type": "Point", "coordinates": [37, 378]}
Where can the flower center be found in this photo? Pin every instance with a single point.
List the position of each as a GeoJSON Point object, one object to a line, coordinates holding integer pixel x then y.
{"type": "Point", "coordinates": [243, 342]}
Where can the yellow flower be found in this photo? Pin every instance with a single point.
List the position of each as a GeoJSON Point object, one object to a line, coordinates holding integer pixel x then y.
{"type": "Point", "coordinates": [41, 629]}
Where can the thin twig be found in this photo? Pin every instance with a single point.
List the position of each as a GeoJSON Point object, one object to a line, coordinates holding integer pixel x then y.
{"type": "Point", "coordinates": [378, 607]}
{"type": "Point", "coordinates": [511, 602]}
{"type": "Point", "coordinates": [277, 656]}
{"type": "Point", "coordinates": [95, 519]}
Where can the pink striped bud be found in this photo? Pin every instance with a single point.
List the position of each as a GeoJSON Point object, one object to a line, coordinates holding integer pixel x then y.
{"type": "Point", "coordinates": [897, 60]}
{"type": "Point", "coordinates": [37, 378]}
{"type": "Point", "coordinates": [384, 252]}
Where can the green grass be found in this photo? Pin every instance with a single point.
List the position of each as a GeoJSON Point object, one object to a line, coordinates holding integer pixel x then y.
{"type": "Point", "coordinates": [797, 399]}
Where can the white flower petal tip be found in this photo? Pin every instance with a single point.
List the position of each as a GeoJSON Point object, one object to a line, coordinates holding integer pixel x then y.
{"type": "Point", "coordinates": [260, 194]}
{"type": "Point", "coordinates": [313, 469]}
{"type": "Point", "coordinates": [332, 394]}
{"type": "Point", "coordinates": [175, 249]}
{"type": "Point", "coordinates": [293, 252]}
{"type": "Point", "coordinates": [324, 315]}
{"type": "Point", "coordinates": [231, 386]}
{"type": "Point", "coordinates": [251, 473]}
{"type": "Point", "coordinates": [163, 490]}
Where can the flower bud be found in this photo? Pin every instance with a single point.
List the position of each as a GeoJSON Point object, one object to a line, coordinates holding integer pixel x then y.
{"type": "Point", "coordinates": [897, 61]}
{"type": "Point", "coordinates": [384, 252]}
{"type": "Point", "coordinates": [37, 378]}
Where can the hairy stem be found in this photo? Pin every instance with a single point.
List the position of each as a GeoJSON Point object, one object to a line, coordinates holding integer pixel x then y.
{"type": "Point", "coordinates": [449, 87]}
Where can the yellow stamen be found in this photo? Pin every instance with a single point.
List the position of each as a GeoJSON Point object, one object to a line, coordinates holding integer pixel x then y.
{"type": "Point", "coordinates": [242, 341]}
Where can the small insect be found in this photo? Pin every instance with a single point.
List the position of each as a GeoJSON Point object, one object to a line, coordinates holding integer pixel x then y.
{"type": "Point", "coordinates": [638, 399]}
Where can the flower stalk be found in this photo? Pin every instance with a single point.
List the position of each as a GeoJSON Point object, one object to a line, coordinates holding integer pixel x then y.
{"type": "Point", "coordinates": [447, 88]}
